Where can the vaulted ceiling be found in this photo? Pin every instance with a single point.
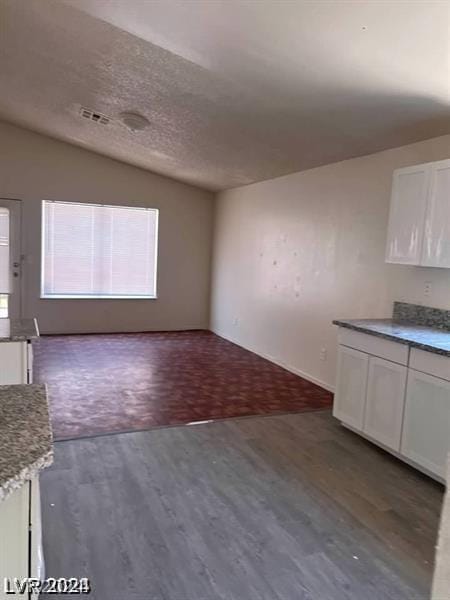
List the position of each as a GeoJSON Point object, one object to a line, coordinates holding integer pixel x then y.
{"type": "Point", "coordinates": [235, 91]}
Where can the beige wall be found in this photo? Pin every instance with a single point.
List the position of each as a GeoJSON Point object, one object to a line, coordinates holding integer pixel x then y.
{"type": "Point", "coordinates": [293, 253]}
{"type": "Point", "coordinates": [34, 167]}
{"type": "Point", "coordinates": [290, 254]}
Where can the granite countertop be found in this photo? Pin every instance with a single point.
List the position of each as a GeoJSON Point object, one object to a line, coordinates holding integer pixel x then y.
{"type": "Point", "coordinates": [18, 330]}
{"type": "Point", "coordinates": [25, 435]}
{"type": "Point", "coordinates": [431, 339]}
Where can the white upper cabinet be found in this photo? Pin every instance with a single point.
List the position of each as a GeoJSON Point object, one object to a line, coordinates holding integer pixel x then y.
{"type": "Point", "coordinates": [436, 244]}
{"type": "Point", "coordinates": [419, 219]}
{"type": "Point", "coordinates": [407, 216]}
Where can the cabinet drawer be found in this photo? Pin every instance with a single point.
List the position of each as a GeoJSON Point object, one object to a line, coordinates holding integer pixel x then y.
{"type": "Point", "coordinates": [376, 346]}
{"type": "Point", "coordinates": [428, 362]}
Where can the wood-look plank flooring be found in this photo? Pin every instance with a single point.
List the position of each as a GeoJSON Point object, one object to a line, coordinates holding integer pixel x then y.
{"type": "Point", "coordinates": [265, 508]}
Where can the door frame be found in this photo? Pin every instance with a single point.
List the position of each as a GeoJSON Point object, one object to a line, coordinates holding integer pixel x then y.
{"type": "Point", "coordinates": [16, 257]}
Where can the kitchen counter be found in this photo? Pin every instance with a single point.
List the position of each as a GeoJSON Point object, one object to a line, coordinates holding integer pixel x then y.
{"type": "Point", "coordinates": [25, 435]}
{"type": "Point", "coordinates": [18, 330]}
{"type": "Point", "coordinates": [431, 339]}
{"type": "Point", "coordinates": [395, 391]}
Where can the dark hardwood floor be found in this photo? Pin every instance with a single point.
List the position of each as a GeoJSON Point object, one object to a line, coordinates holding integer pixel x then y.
{"type": "Point", "coordinates": [266, 508]}
{"type": "Point", "coordinates": [135, 381]}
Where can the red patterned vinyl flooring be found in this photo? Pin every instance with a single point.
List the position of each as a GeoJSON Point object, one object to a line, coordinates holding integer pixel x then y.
{"type": "Point", "coordinates": [124, 382]}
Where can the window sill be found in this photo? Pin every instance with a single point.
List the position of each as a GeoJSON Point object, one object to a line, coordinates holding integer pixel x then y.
{"type": "Point", "coordinates": [93, 297]}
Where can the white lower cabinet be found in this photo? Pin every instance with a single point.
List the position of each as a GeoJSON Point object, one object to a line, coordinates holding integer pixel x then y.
{"type": "Point", "coordinates": [13, 363]}
{"type": "Point", "coordinates": [350, 396]}
{"type": "Point", "coordinates": [396, 397]}
{"type": "Point", "coordinates": [37, 569]}
{"type": "Point", "coordinates": [386, 388]}
{"type": "Point", "coordinates": [14, 531]}
{"type": "Point", "coordinates": [426, 427]}
{"type": "Point", "coordinates": [20, 539]}
{"type": "Point", "coordinates": [16, 363]}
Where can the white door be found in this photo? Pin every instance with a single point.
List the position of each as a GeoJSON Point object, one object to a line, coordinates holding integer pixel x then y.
{"type": "Point", "coordinates": [436, 245]}
{"type": "Point", "coordinates": [351, 385]}
{"type": "Point", "coordinates": [386, 389]}
{"type": "Point", "coordinates": [426, 425]}
{"type": "Point", "coordinates": [10, 259]}
{"type": "Point", "coordinates": [410, 188]}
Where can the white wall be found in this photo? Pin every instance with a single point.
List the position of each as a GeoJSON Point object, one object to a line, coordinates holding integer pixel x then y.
{"type": "Point", "coordinates": [293, 253]}
{"type": "Point", "coordinates": [34, 167]}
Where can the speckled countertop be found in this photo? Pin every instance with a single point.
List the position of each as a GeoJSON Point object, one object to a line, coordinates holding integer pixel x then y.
{"type": "Point", "coordinates": [25, 435]}
{"type": "Point", "coordinates": [18, 330]}
{"type": "Point", "coordinates": [427, 338]}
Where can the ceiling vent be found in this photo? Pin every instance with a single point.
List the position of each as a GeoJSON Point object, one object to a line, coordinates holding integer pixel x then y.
{"type": "Point", "coordinates": [95, 116]}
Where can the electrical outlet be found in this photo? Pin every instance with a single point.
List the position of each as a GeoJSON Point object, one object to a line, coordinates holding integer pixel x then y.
{"type": "Point", "coordinates": [236, 321]}
{"type": "Point", "coordinates": [427, 289]}
{"type": "Point", "coordinates": [323, 354]}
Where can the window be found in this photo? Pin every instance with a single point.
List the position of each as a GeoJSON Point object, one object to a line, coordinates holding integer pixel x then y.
{"type": "Point", "coordinates": [97, 251]}
{"type": "Point", "coordinates": [4, 262]}
{"type": "Point", "coordinates": [3, 306]}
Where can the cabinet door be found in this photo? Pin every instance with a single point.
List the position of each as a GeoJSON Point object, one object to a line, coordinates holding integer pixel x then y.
{"type": "Point", "coordinates": [351, 385]}
{"type": "Point", "coordinates": [407, 215]}
{"type": "Point", "coordinates": [14, 520]}
{"type": "Point", "coordinates": [36, 553]}
{"type": "Point", "coordinates": [436, 244]}
{"type": "Point", "coordinates": [426, 424]}
{"type": "Point", "coordinates": [13, 363]}
{"type": "Point", "coordinates": [386, 389]}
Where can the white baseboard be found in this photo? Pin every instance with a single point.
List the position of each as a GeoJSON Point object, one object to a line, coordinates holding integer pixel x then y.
{"type": "Point", "coordinates": [280, 363]}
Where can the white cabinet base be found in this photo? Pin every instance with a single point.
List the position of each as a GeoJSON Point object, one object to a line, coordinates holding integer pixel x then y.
{"type": "Point", "coordinates": [16, 363]}
{"type": "Point", "coordinates": [37, 567]}
{"type": "Point", "coordinates": [402, 457]}
{"type": "Point", "coordinates": [21, 537]}
{"type": "Point", "coordinates": [14, 528]}
{"type": "Point", "coordinates": [403, 410]}
{"type": "Point", "coordinates": [13, 363]}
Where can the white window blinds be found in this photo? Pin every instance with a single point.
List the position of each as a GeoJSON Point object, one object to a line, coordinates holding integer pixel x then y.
{"type": "Point", "coordinates": [91, 250]}
{"type": "Point", "coordinates": [5, 281]}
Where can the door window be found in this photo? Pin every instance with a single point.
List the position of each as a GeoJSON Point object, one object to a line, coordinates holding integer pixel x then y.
{"type": "Point", "coordinates": [4, 261]}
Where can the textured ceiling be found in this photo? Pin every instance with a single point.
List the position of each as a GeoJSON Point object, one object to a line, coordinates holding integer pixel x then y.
{"type": "Point", "coordinates": [235, 91]}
